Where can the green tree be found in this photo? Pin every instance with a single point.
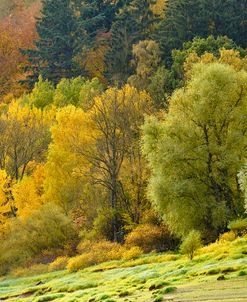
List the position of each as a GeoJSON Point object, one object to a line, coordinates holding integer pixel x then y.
{"type": "Point", "coordinates": [196, 152]}
{"type": "Point", "coordinates": [68, 92]}
{"type": "Point", "coordinates": [199, 46]}
{"type": "Point", "coordinates": [55, 48]}
{"type": "Point", "coordinates": [42, 94]}
{"type": "Point", "coordinates": [185, 20]}
{"type": "Point", "coordinates": [191, 243]}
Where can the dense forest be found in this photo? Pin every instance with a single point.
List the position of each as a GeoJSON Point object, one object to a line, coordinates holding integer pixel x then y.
{"type": "Point", "coordinates": [123, 127]}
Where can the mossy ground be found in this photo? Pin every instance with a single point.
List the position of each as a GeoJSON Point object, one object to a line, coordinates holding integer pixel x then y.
{"type": "Point", "coordinates": [217, 273]}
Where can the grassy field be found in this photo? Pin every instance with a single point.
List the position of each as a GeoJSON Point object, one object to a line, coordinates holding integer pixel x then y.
{"type": "Point", "coordinates": [217, 273]}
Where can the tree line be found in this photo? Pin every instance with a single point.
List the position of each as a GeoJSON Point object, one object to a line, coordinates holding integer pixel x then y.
{"type": "Point", "coordinates": [122, 116]}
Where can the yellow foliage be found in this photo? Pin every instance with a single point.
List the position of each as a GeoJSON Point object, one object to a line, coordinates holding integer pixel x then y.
{"type": "Point", "coordinates": [228, 236]}
{"type": "Point", "coordinates": [6, 204]}
{"type": "Point", "coordinates": [102, 251]}
{"type": "Point", "coordinates": [232, 58]}
{"type": "Point", "coordinates": [227, 56]}
{"type": "Point", "coordinates": [35, 269]}
{"type": "Point", "coordinates": [59, 263]}
{"type": "Point", "coordinates": [158, 7]}
{"type": "Point", "coordinates": [66, 167]}
{"type": "Point", "coordinates": [132, 253]}
{"type": "Point", "coordinates": [79, 262]}
{"type": "Point", "coordinates": [28, 193]}
{"type": "Point", "coordinates": [94, 61]}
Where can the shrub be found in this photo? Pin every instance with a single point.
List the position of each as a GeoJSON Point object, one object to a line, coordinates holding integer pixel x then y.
{"type": "Point", "coordinates": [59, 263]}
{"type": "Point", "coordinates": [227, 237]}
{"type": "Point", "coordinates": [132, 253]}
{"type": "Point", "coordinates": [239, 227]}
{"type": "Point", "coordinates": [94, 253]}
{"type": "Point", "coordinates": [80, 262]}
{"type": "Point", "coordinates": [191, 243]}
{"type": "Point", "coordinates": [35, 269]}
{"type": "Point", "coordinates": [46, 230]}
{"type": "Point", "coordinates": [150, 237]}
{"type": "Point", "coordinates": [102, 226]}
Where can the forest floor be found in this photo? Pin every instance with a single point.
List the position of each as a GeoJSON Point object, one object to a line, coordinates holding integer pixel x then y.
{"type": "Point", "coordinates": [218, 273]}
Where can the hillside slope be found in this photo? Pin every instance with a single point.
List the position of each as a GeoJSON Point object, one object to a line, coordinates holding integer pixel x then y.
{"type": "Point", "coordinates": [217, 273]}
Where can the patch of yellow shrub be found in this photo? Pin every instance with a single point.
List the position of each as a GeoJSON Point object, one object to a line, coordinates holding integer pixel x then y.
{"type": "Point", "coordinates": [99, 252]}
{"type": "Point", "coordinates": [59, 263]}
{"type": "Point", "coordinates": [132, 253]}
{"type": "Point", "coordinates": [227, 237]}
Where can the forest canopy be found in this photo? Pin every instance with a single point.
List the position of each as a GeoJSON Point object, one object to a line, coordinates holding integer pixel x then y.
{"type": "Point", "coordinates": [118, 117]}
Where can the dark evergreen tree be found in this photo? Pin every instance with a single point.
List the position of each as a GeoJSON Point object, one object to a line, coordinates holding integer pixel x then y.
{"type": "Point", "coordinates": [54, 50]}
{"type": "Point", "coordinates": [132, 24]}
{"type": "Point", "coordinates": [95, 16]}
{"type": "Point", "coordinates": [186, 19]}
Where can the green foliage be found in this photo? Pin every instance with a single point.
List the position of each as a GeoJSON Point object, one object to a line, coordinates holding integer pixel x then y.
{"type": "Point", "coordinates": [46, 229]}
{"type": "Point", "coordinates": [190, 244]}
{"type": "Point", "coordinates": [68, 92]}
{"type": "Point", "coordinates": [131, 24]}
{"type": "Point", "coordinates": [42, 94]}
{"type": "Point", "coordinates": [199, 46]}
{"type": "Point", "coordinates": [102, 225]}
{"type": "Point", "coordinates": [56, 45]}
{"type": "Point", "coordinates": [239, 226]}
{"type": "Point", "coordinates": [89, 91]}
{"type": "Point", "coordinates": [242, 179]}
{"type": "Point", "coordinates": [185, 20]}
{"type": "Point", "coordinates": [195, 153]}
{"type": "Point", "coordinates": [161, 85]}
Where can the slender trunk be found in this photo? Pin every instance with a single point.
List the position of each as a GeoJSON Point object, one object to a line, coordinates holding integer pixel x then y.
{"type": "Point", "coordinates": [114, 206]}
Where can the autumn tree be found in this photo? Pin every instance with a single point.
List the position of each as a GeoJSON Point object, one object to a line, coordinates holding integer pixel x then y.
{"type": "Point", "coordinates": [16, 31]}
{"type": "Point", "coordinates": [195, 153]}
{"type": "Point", "coordinates": [146, 58]}
{"type": "Point", "coordinates": [24, 134]}
{"type": "Point", "coordinates": [90, 148]}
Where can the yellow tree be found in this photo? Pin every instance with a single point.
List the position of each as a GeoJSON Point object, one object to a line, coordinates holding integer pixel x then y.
{"type": "Point", "coordinates": [117, 115]}
{"type": "Point", "coordinates": [24, 137]}
{"type": "Point", "coordinates": [27, 193]}
{"type": "Point", "coordinates": [66, 171]}
{"type": "Point", "coordinates": [7, 207]}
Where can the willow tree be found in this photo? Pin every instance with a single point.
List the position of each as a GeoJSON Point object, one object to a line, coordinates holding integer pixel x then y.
{"type": "Point", "coordinates": [195, 153]}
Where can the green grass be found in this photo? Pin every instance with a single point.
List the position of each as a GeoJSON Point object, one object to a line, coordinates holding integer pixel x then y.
{"type": "Point", "coordinates": [150, 278]}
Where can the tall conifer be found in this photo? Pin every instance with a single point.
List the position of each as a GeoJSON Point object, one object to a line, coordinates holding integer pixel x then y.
{"type": "Point", "coordinates": [52, 57]}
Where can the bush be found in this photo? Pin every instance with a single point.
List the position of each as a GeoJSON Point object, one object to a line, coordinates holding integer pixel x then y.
{"type": "Point", "coordinates": [58, 264]}
{"type": "Point", "coordinates": [191, 243]}
{"type": "Point", "coordinates": [102, 226]}
{"type": "Point", "coordinates": [227, 237]}
{"type": "Point", "coordinates": [239, 227]}
{"type": "Point", "coordinates": [104, 250]}
{"type": "Point", "coordinates": [35, 269]}
{"type": "Point", "coordinates": [132, 253]}
{"type": "Point", "coordinates": [95, 253]}
{"type": "Point", "coordinates": [79, 262]}
{"type": "Point", "coordinates": [150, 237]}
{"type": "Point", "coordinates": [47, 230]}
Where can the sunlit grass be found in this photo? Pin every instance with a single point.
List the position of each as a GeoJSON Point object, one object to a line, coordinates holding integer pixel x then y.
{"type": "Point", "coordinates": [148, 278]}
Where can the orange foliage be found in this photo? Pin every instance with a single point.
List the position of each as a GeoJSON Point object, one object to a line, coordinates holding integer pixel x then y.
{"type": "Point", "coordinates": [16, 31]}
